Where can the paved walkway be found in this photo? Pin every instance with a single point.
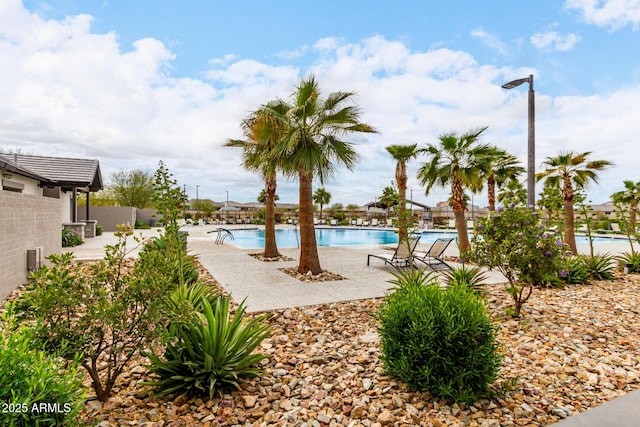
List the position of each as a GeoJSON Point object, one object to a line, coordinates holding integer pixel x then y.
{"type": "Point", "coordinates": [264, 288]}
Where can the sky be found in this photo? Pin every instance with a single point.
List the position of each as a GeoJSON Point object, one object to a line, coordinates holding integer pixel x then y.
{"type": "Point", "coordinates": [132, 83]}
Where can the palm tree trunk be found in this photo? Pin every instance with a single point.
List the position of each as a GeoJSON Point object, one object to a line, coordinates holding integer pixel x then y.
{"type": "Point", "coordinates": [633, 208]}
{"type": "Point", "coordinates": [309, 260]}
{"type": "Point", "coordinates": [401, 178]}
{"type": "Point", "coordinates": [569, 220]}
{"type": "Point", "coordinates": [491, 190]}
{"type": "Point", "coordinates": [457, 203]}
{"type": "Point", "coordinates": [270, 246]}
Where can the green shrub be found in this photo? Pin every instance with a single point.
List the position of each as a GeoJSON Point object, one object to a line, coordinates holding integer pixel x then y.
{"type": "Point", "coordinates": [210, 355]}
{"type": "Point", "coordinates": [632, 258]}
{"type": "Point", "coordinates": [439, 340]}
{"type": "Point", "coordinates": [514, 242]}
{"type": "Point", "coordinates": [600, 266]}
{"type": "Point", "coordinates": [99, 229]}
{"type": "Point", "coordinates": [141, 225]}
{"type": "Point", "coordinates": [573, 270]}
{"type": "Point", "coordinates": [101, 311]}
{"type": "Point", "coordinates": [70, 239]}
{"type": "Point", "coordinates": [167, 257]}
{"type": "Point", "coordinates": [472, 277]}
{"type": "Point", "coordinates": [38, 389]}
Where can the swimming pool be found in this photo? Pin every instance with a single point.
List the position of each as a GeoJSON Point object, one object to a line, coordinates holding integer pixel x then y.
{"type": "Point", "coordinates": [289, 238]}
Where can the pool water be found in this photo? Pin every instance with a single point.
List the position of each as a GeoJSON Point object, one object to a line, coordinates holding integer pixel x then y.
{"type": "Point", "coordinates": [289, 238]}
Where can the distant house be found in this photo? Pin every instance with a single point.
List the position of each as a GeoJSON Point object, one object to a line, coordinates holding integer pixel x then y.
{"type": "Point", "coordinates": [38, 195]}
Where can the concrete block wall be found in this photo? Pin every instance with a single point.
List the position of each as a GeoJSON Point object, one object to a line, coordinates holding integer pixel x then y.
{"type": "Point", "coordinates": [26, 222]}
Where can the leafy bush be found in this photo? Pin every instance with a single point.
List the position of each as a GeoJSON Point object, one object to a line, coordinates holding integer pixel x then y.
{"type": "Point", "coordinates": [39, 390]}
{"type": "Point", "coordinates": [70, 239]}
{"type": "Point", "coordinates": [472, 277]}
{"type": "Point", "coordinates": [100, 311]}
{"type": "Point", "coordinates": [600, 266]}
{"type": "Point", "coordinates": [408, 278]}
{"type": "Point", "coordinates": [439, 340]}
{"type": "Point", "coordinates": [573, 270]}
{"type": "Point", "coordinates": [515, 243]}
{"type": "Point", "coordinates": [170, 260]}
{"type": "Point", "coordinates": [211, 354]}
{"type": "Point", "coordinates": [99, 229]}
{"type": "Point", "coordinates": [141, 225]}
{"type": "Point", "coordinates": [632, 258]}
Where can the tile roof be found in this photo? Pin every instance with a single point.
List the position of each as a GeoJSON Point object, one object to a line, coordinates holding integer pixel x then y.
{"type": "Point", "coordinates": [64, 172]}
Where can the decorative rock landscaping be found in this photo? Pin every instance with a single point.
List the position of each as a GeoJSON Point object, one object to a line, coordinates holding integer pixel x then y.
{"type": "Point", "coordinates": [574, 348]}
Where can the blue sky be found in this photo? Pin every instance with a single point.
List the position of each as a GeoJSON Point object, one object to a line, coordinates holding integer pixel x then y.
{"type": "Point", "coordinates": [134, 82]}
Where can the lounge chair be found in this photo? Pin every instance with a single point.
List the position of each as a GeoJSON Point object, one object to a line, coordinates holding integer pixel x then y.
{"type": "Point", "coordinates": [334, 222]}
{"type": "Point", "coordinates": [359, 222]}
{"type": "Point", "coordinates": [389, 222]}
{"type": "Point", "coordinates": [374, 223]}
{"type": "Point", "coordinates": [432, 257]}
{"type": "Point", "coordinates": [401, 258]}
{"type": "Point", "coordinates": [615, 227]}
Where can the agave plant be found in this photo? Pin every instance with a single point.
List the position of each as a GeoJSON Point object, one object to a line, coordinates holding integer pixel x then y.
{"type": "Point", "coordinates": [600, 266]}
{"type": "Point", "coordinates": [212, 354]}
{"type": "Point", "coordinates": [472, 277]}
{"type": "Point", "coordinates": [631, 258]}
{"type": "Point", "coordinates": [573, 270]}
{"type": "Point", "coordinates": [404, 279]}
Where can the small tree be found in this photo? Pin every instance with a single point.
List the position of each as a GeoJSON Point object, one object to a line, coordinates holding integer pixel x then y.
{"type": "Point", "coordinates": [133, 188]}
{"type": "Point", "coordinates": [514, 242]}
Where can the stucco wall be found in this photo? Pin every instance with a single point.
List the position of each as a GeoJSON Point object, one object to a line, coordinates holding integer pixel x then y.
{"type": "Point", "coordinates": [109, 216]}
{"type": "Point", "coordinates": [26, 222]}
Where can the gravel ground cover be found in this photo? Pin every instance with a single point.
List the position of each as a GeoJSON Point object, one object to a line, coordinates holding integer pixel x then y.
{"type": "Point", "coordinates": [573, 349]}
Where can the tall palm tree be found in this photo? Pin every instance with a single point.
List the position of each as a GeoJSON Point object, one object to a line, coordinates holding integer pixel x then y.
{"type": "Point", "coordinates": [564, 171]}
{"type": "Point", "coordinates": [629, 196]}
{"type": "Point", "coordinates": [402, 154]}
{"type": "Point", "coordinates": [321, 197]}
{"type": "Point", "coordinates": [497, 169]}
{"type": "Point", "coordinates": [456, 161]}
{"type": "Point", "coordinates": [311, 146]}
{"type": "Point", "coordinates": [262, 133]}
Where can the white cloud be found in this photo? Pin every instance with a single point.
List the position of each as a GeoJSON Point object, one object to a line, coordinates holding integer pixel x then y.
{"type": "Point", "coordinates": [490, 40]}
{"type": "Point", "coordinates": [554, 41]}
{"type": "Point", "coordinates": [69, 91]}
{"type": "Point", "coordinates": [613, 14]}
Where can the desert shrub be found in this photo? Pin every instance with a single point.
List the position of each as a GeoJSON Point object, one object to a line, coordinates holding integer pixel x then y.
{"type": "Point", "coordinates": [169, 259]}
{"type": "Point", "coordinates": [211, 354]}
{"type": "Point", "coordinates": [631, 258]}
{"type": "Point", "coordinates": [36, 389]}
{"type": "Point", "coordinates": [70, 239]}
{"type": "Point", "coordinates": [600, 266]}
{"type": "Point", "coordinates": [141, 225]}
{"type": "Point", "coordinates": [100, 311]}
{"type": "Point", "coordinates": [573, 270]}
{"type": "Point", "coordinates": [439, 340]}
{"type": "Point", "coordinates": [470, 276]}
{"type": "Point", "coordinates": [514, 242]}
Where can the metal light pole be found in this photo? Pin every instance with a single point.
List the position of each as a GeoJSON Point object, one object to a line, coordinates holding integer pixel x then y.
{"type": "Point", "coordinates": [411, 207]}
{"type": "Point", "coordinates": [197, 202]}
{"type": "Point", "coordinates": [531, 146]}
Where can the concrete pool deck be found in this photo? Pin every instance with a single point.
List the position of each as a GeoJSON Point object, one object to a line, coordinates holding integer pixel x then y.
{"type": "Point", "coordinates": [266, 288]}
